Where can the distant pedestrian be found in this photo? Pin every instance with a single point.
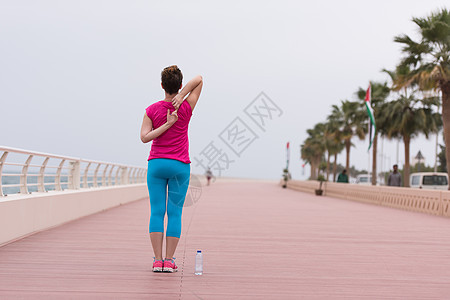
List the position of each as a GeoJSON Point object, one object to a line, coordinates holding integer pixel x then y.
{"type": "Point", "coordinates": [209, 175]}
{"type": "Point", "coordinates": [395, 178]}
{"type": "Point", "coordinates": [166, 124]}
{"type": "Point", "coordinates": [343, 177]}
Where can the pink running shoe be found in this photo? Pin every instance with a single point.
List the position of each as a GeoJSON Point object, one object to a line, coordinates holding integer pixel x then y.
{"type": "Point", "coordinates": [170, 266]}
{"type": "Point", "coordinates": [157, 265]}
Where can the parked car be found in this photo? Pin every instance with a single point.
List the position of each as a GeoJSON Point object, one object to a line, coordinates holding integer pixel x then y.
{"type": "Point", "coordinates": [429, 180]}
{"type": "Point", "coordinates": [364, 179]}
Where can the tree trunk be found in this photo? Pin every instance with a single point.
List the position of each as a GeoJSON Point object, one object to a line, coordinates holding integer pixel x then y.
{"type": "Point", "coordinates": [406, 140]}
{"type": "Point", "coordinates": [328, 165]}
{"type": "Point", "coordinates": [374, 160]}
{"type": "Point", "coordinates": [445, 88]}
{"type": "Point", "coordinates": [311, 173]}
{"type": "Point", "coordinates": [315, 162]}
{"type": "Point", "coordinates": [335, 167]}
{"type": "Point", "coordinates": [318, 160]}
{"type": "Point", "coordinates": [347, 150]}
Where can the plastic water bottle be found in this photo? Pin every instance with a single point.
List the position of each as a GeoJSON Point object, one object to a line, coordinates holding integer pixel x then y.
{"type": "Point", "coordinates": [199, 263]}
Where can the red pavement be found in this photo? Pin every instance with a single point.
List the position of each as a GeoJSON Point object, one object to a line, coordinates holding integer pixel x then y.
{"type": "Point", "coordinates": [259, 242]}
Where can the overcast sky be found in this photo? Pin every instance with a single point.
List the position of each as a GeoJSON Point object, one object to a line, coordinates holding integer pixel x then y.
{"type": "Point", "coordinates": [76, 76]}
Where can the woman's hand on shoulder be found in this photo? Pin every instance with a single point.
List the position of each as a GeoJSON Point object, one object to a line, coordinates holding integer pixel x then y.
{"type": "Point", "coordinates": [177, 101]}
{"type": "Point", "coordinates": [171, 117]}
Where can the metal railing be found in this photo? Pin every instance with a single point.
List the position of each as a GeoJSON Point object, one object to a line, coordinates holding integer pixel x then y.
{"type": "Point", "coordinates": [56, 172]}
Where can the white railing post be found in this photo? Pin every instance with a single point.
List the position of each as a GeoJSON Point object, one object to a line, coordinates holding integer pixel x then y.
{"type": "Point", "coordinates": [129, 172]}
{"type": "Point", "coordinates": [58, 176]}
{"type": "Point", "coordinates": [136, 176]}
{"type": "Point", "coordinates": [109, 175]}
{"type": "Point", "coordinates": [41, 181]}
{"type": "Point", "coordinates": [104, 175]}
{"type": "Point", "coordinates": [75, 174]}
{"type": "Point", "coordinates": [24, 176]}
{"type": "Point", "coordinates": [2, 162]}
{"type": "Point", "coordinates": [96, 175]}
{"type": "Point", "coordinates": [124, 176]}
{"type": "Point", "coordinates": [133, 176]}
{"type": "Point", "coordinates": [85, 177]}
{"type": "Point", "coordinates": [116, 181]}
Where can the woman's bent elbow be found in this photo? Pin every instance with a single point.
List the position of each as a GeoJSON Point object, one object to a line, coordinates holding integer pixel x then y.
{"type": "Point", "coordinates": [144, 140]}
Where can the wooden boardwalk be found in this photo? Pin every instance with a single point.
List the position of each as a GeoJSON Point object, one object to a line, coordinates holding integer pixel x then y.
{"type": "Point", "coordinates": [259, 242]}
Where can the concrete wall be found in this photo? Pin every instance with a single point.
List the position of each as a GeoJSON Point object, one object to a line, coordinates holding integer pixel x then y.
{"type": "Point", "coordinates": [434, 202]}
{"type": "Point", "coordinates": [24, 215]}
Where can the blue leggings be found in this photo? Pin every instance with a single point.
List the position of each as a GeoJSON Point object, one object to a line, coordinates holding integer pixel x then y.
{"type": "Point", "coordinates": [167, 177]}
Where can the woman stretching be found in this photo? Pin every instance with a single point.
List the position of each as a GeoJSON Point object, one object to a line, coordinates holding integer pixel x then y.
{"type": "Point", "coordinates": [166, 124]}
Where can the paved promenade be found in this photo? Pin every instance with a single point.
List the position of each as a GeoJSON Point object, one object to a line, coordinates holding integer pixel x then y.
{"type": "Point", "coordinates": [259, 242]}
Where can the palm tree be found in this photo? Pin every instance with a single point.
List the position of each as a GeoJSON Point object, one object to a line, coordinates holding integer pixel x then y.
{"type": "Point", "coordinates": [380, 91]}
{"type": "Point", "coordinates": [334, 142]}
{"type": "Point", "coordinates": [403, 82]}
{"type": "Point", "coordinates": [429, 60]}
{"type": "Point", "coordinates": [401, 79]}
{"type": "Point", "coordinates": [407, 117]}
{"type": "Point", "coordinates": [351, 119]}
{"type": "Point", "coordinates": [307, 154]}
{"type": "Point", "coordinates": [313, 148]}
{"type": "Point", "coordinates": [328, 138]}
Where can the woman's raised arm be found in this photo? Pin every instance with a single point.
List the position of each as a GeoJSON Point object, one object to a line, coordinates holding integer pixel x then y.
{"type": "Point", "coordinates": [193, 88]}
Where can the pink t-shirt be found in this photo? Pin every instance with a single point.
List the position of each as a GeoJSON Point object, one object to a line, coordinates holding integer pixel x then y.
{"type": "Point", "coordinates": [173, 143]}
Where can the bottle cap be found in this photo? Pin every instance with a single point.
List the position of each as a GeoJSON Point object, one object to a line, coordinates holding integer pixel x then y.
{"type": "Point", "coordinates": [199, 251]}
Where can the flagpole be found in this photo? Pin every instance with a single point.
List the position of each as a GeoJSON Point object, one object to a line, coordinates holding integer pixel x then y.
{"type": "Point", "coordinates": [287, 156]}
{"type": "Point", "coordinates": [436, 152]}
{"type": "Point", "coordinates": [382, 161]}
{"type": "Point", "coordinates": [368, 101]}
{"type": "Point", "coordinates": [368, 153]}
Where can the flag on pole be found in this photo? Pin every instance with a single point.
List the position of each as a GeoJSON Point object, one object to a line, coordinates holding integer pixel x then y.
{"type": "Point", "coordinates": [372, 127]}
{"type": "Point", "coordinates": [288, 154]}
